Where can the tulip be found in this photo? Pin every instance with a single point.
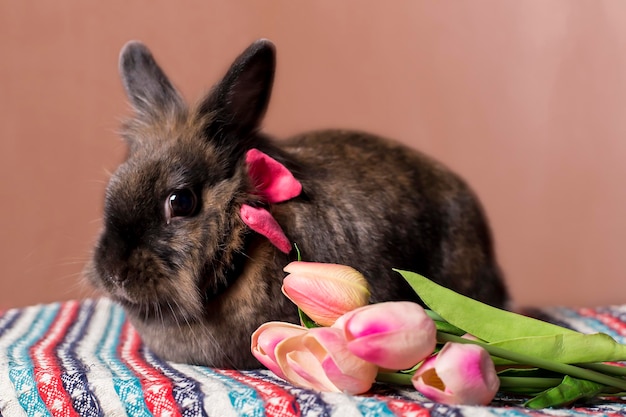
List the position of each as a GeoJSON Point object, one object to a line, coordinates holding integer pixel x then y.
{"type": "Point", "coordinates": [393, 335]}
{"type": "Point", "coordinates": [265, 339]}
{"type": "Point", "coordinates": [458, 374]}
{"type": "Point", "coordinates": [325, 291]}
{"type": "Point", "coordinates": [320, 360]}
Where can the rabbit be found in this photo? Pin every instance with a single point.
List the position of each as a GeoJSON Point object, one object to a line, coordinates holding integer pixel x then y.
{"type": "Point", "coordinates": [196, 279]}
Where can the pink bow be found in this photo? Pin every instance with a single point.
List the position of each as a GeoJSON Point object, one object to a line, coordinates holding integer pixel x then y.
{"type": "Point", "coordinates": [275, 184]}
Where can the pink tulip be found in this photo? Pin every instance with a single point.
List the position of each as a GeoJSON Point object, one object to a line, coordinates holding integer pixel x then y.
{"type": "Point", "coordinates": [393, 335]}
{"type": "Point", "coordinates": [325, 291]}
{"type": "Point", "coordinates": [320, 360]}
{"type": "Point", "coordinates": [458, 374]}
{"type": "Point", "coordinates": [265, 339]}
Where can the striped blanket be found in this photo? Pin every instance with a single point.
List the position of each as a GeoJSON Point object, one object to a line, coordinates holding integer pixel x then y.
{"type": "Point", "coordinates": [82, 358]}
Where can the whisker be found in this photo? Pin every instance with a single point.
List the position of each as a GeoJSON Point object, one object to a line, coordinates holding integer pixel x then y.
{"type": "Point", "coordinates": [184, 317]}
{"type": "Point", "coordinates": [174, 315]}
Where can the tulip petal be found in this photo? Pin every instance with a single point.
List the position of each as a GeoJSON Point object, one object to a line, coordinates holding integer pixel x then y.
{"type": "Point", "coordinates": [300, 366]}
{"type": "Point", "coordinates": [320, 360]}
{"type": "Point", "coordinates": [429, 383]}
{"type": "Point", "coordinates": [327, 270]}
{"type": "Point", "coordinates": [393, 335]}
{"type": "Point", "coordinates": [394, 350]}
{"type": "Point", "coordinates": [468, 372]}
{"type": "Point", "coordinates": [265, 339]}
{"type": "Point", "coordinates": [329, 377]}
{"type": "Point", "coordinates": [304, 365]}
{"type": "Point", "coordinates": [349, 373]}
{"type": "Point", "coordinates": [318, 299]}
{"type": "Point", "coordinates": [458, 374]}
{"type": "Point", "coordinates": [358, 383]}
{"type": "Point", "coordinates": [325, 291]}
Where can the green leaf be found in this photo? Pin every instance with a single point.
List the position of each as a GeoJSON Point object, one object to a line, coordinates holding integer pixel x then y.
{"type": "Point", "coordinates": [481, 320]}
{"type": "Point", "coordinates": [568, 391]}
{"type": "Point", "coordinates": [568, 348]}
{"type": "Point", "coordinates": [442, 325]}
{"type": "Point", "coordinates": [306, 321]}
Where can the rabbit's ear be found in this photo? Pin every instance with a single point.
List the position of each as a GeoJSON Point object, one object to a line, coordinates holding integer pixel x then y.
{"type": "Point", "coordinates": [240, 99]}
{"type": "Point", "coordinates": [147, 86]}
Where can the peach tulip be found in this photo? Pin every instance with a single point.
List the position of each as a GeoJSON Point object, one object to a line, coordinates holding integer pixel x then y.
{"type": "Point", "coordinates": [325, 291]}
{"type": "Point", "coordinates": [393, 335]}
{"type": "Point", "coordinates": [265, 339]}
{"type": "Point", "coordinates": [320, 360]}
{"type": "Point", "coordinates": [458, 374]}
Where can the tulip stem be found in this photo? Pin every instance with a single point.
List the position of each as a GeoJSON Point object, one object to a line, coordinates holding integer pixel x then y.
{"type": "Point", "coordinates": [604, 368]}
{"type": "Point", "coordinates": [394, 378]}
{"type": "Point", "coordinates": [515, 382]}
{"type": "Point", "coordinates": [507, 383]}
{"type": "Point", "coordinates": [523, 359]}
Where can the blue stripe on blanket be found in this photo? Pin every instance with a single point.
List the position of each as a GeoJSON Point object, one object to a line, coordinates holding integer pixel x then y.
{"type": "Point", "coordinates": [127, 386]}
{"type": "Point", "coordinates": [186, 391]}
{"type": "Point", "coordinates": [74, 377]}
{"type": "Point", "coordinates": [22, 375]}
{"type": "Point", "coordinates": [244, 399]}
{"type": "Point", "coordinates": [8, 320]}
{"type": "Point", "coordinates": [371, 407]}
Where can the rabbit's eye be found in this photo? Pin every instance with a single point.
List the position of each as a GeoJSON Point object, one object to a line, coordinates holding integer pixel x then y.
{"type": "Point", "coordinates": [181, 203]}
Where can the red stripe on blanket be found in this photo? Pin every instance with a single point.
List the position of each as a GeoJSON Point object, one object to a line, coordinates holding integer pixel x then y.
{"type": "Point", "coordinates": [404, 408]}
{"type": "Point", "coordinates": [278, 402]}
{"type": "Point", "coordinates": [157, 388]}
{"type": "Point", "coordinates": [47, 367]}
{"type": "Point", "coordinates": [613, 322]}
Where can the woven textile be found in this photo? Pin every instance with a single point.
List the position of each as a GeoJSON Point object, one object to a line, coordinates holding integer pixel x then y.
{"type": "Point", "coordinates": [84, 359]}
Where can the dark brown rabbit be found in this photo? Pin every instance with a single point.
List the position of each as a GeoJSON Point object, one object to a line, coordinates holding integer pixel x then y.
{"type": "Point", "coordinates": [196, 280]}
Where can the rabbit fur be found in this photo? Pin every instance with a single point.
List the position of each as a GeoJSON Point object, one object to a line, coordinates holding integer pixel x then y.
{"type": "Point", "coordinates": [196, 281]}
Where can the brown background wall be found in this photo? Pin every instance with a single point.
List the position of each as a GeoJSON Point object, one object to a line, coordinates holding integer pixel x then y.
{"type": "Point", "coordinates": [527, 100]}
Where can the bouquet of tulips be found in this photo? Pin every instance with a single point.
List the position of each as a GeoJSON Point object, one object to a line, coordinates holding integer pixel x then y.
{"type": "Point", "coordinates": [459, 351]}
